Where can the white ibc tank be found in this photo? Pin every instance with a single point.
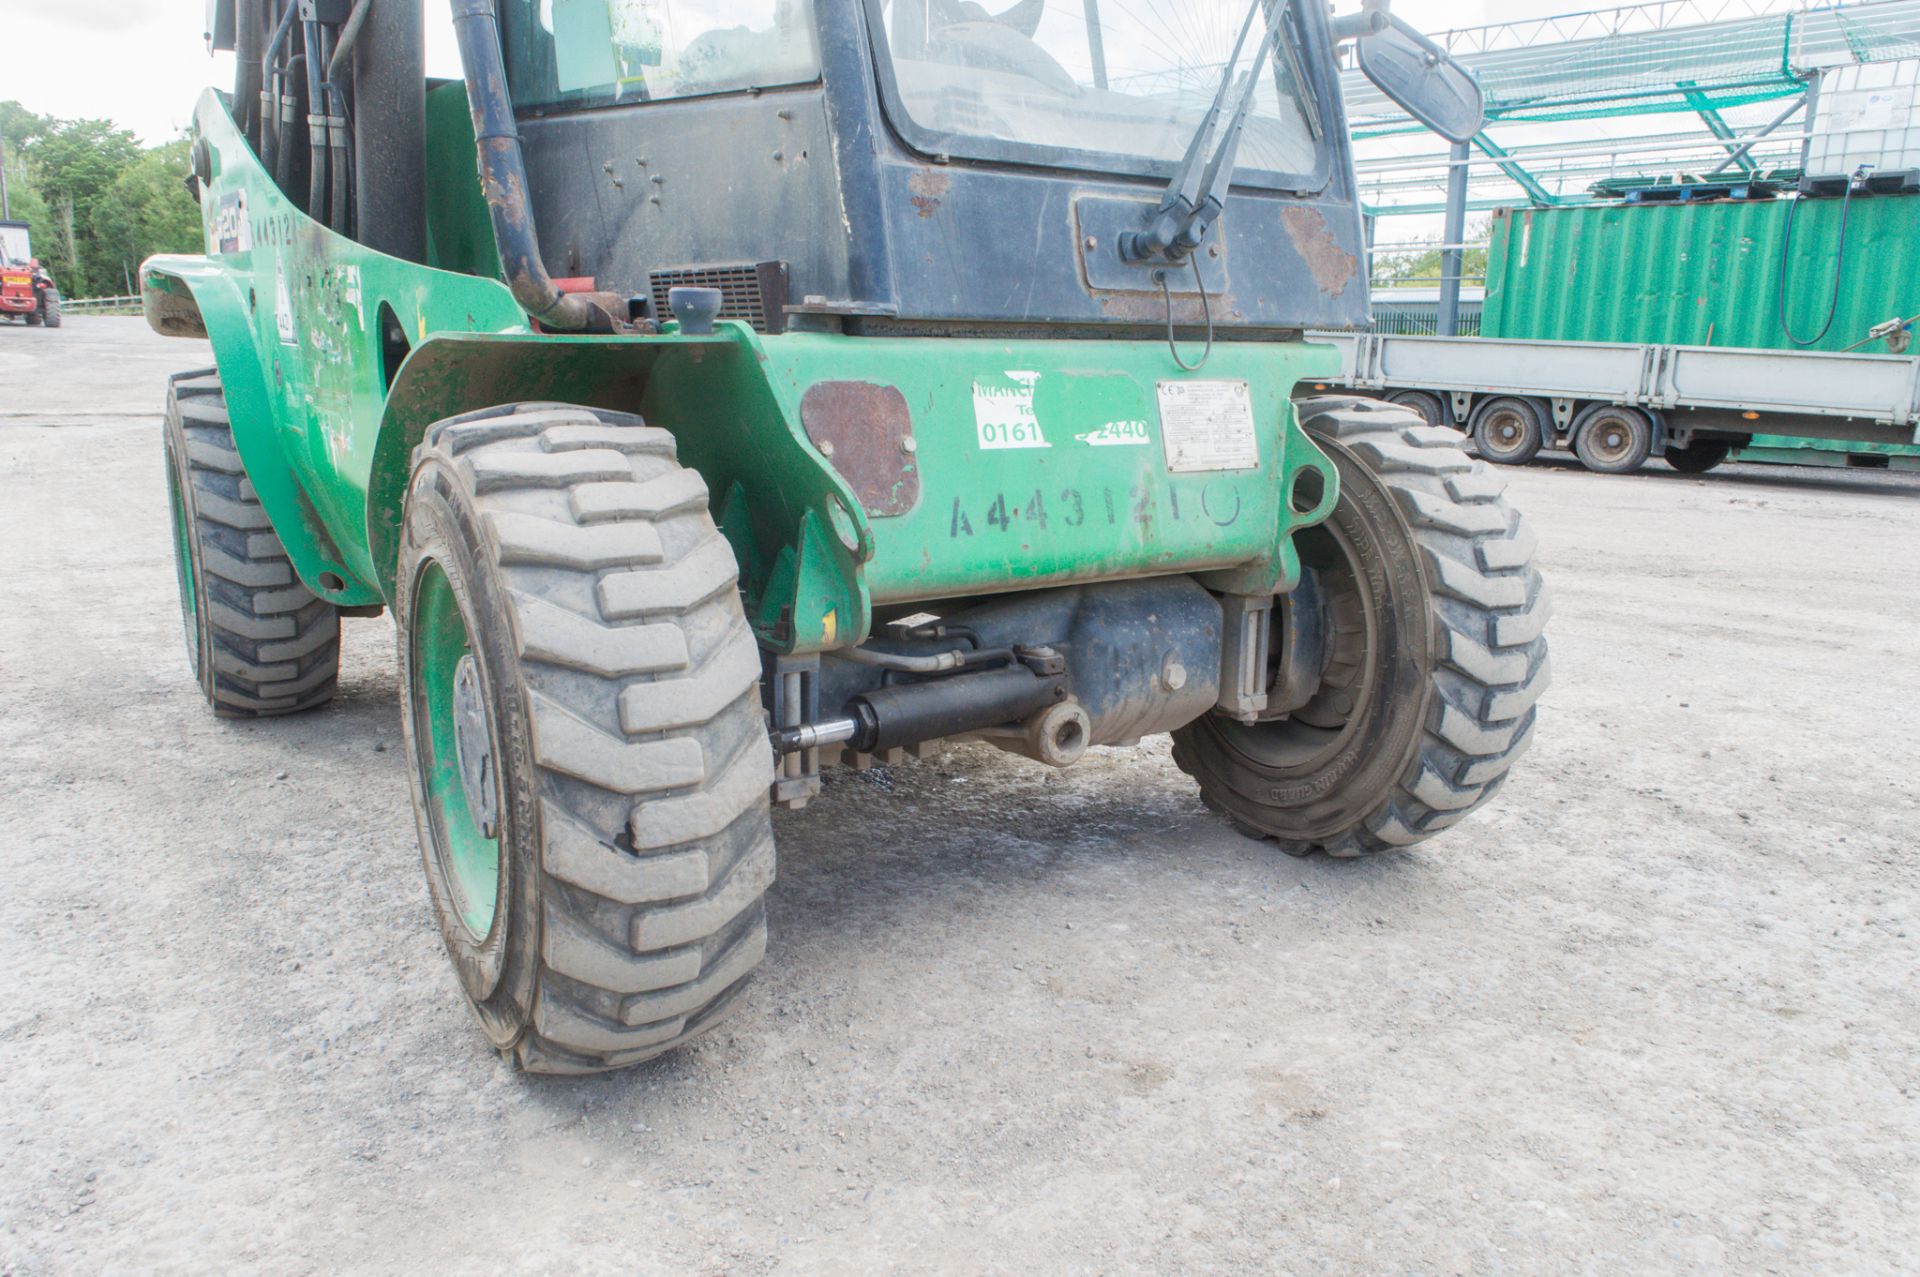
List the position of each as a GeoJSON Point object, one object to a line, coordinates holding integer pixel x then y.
{"type": "Point", "coordinates": [1867, 114]}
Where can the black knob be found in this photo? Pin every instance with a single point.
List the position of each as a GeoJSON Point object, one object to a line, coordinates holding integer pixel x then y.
{"type": "Point", "coordinates": [695, 308]}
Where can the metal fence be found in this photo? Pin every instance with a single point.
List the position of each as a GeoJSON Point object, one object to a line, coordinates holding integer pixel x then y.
{"type": "Point", "coordinates": [101, 305]}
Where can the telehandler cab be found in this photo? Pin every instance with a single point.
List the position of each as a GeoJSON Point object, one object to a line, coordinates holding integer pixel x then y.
{"type": "Point", "coordinates": [715, 391]}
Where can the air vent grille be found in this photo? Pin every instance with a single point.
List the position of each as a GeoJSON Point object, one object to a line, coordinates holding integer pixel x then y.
{"type": "Point", "coordinates": [753, 292]}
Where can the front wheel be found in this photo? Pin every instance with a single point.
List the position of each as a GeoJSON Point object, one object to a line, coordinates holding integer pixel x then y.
{"type": "Point", "coordinates": [259, 642]}
{"type": "Point", "coordinates": [587, 751]}
{"type": "Point", "coordinates": [50, 308]}
{"type": "Point", "coordinates": [1408, 662]}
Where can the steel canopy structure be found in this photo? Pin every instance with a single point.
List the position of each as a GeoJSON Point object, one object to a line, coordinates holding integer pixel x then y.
{"type": "Point", "coordinates": [1665, 92]}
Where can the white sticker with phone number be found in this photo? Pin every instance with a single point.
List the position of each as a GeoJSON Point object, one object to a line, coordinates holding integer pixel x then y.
{"type": "Point", "coordinates": [1208, 425]}
{"type": "Point", "coordinates": [1003, 411]}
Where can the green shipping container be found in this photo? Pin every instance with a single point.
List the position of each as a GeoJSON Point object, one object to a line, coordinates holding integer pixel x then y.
{"type": "Point", "coordinates": [1702, 274]}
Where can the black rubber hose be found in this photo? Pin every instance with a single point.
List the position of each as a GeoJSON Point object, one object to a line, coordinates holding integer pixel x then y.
{"type": "Point", "coordinates": [1839, 263]}
{"type": "Point", "coordinates": [316, 54]}
{"type": "Point", "coordinates": [289, 120]}
{"type": "Point", "coordinates": [270, 89]}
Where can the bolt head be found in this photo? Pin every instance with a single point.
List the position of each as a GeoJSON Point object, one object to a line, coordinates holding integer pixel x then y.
{"type": "Point", "coordinates": [909, 446]}
{"type": "Point", "coordinates": [826, 447]}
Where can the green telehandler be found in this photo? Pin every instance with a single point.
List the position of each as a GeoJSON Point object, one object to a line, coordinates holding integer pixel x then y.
{"type": "Point", "coordinates": [719, 392]}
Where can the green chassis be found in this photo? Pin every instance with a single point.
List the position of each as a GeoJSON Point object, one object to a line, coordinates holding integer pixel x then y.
{"type": "Point", "coordinates": [303, 325]}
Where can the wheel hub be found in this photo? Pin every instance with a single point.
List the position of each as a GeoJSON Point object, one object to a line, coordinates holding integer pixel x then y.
{"type": "Point", "coordinates": [473, 748]}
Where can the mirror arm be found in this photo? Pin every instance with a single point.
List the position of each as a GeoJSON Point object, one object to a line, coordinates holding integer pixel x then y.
{"type": "Point", "coordinates": [1371, 20]}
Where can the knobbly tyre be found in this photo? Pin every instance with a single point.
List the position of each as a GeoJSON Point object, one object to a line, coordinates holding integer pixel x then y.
{"type": "Point", "coordinates": [711, 405]}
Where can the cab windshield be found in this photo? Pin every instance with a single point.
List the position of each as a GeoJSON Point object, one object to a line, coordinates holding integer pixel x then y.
{"type": "Point", "coordinates": [1060, 81]}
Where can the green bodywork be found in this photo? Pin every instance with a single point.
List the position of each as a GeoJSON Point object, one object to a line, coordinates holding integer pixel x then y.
{"type": "Point", "coordinates": [336, 359]}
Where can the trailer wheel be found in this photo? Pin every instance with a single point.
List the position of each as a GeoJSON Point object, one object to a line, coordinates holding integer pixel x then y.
{"type": "Point", "coordinates": [587, 750]}
{"type": "Point", "coordinates": [1508, 430]}
{"type": "Point", "coordinates": [1425, 403]}
{"type": "Point", "coordinates": [1612, 439]}
{"type": "Point", "coordinates": [50, 308]}
{"type": "Point", "coordinates": [259, 642]}
{"type": "Point", "coordinates": [1421, 598]}
{"type": "Point", "coordinates": [1698, 458]}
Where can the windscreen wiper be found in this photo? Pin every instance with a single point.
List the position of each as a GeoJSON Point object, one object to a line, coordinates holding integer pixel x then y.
{"type": "Point", "coordinates": [1196, 195]}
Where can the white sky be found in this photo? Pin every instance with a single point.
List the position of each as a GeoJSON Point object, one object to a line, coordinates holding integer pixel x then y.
{"type": "Point", "coordinates": [142, 63]}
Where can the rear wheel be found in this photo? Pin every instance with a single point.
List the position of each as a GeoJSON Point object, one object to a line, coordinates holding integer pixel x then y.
{"type": "Point", "coordinates": [1611, 439]}
{"type": "Point", "coordinates": [1508, 430]}
{"type": "Point", "coordinates": [1407, 663]}
{"type": "Point", "coordinates": [258, 641]}
{"type": "Point", "coordinates": [588, 754]}
{"type": "Point", "coordinates": [1697, 458]}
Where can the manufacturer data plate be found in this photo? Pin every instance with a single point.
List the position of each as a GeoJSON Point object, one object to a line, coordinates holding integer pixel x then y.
{"type": "Point", "coordinates": [1208, 425]}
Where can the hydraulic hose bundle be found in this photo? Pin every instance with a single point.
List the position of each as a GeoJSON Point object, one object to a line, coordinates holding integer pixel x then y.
{"type": "Point", "coordinates": [305, 62]}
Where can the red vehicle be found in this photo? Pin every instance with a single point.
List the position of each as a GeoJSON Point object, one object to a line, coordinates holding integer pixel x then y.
{"type": "Point", "coordinates": [26, 290]}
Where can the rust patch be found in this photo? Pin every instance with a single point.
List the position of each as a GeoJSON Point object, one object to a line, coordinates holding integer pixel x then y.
{"type": "Point", "coordinates": [866, 432]}
{"type": "Point", "coordinates": [929, 186]}
{"type": "Point", "coordinates": [1332, 267]}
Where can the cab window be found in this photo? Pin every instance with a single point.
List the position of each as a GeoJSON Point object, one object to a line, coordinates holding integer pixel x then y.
{"type": "Point", "coordinates": [582, 53]}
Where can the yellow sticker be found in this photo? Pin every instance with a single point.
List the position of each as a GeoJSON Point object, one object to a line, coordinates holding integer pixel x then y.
{"type": "Point", "coordinates": [830, 625]}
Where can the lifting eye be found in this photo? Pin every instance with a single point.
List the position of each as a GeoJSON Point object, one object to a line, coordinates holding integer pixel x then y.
{"type": "Point", "coordinates": [1309, 490]}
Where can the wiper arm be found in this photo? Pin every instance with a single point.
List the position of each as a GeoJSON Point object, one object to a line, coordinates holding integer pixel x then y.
{"type": "Point", "coordinates": [1196, 196]}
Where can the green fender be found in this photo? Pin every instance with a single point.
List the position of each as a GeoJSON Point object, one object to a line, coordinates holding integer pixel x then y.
{"type": "Point", "coordinates": [796, 527]}
{"type": "Point", "coordinates": [194, 297]}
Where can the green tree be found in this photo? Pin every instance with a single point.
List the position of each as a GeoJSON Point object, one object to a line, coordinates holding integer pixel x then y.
{"type": "Point", "coordinates": [1420, 268]}
{"type": "Point", "coordinates": [97, 201]}
{"type": "Point", "coordinates": [147, 211]}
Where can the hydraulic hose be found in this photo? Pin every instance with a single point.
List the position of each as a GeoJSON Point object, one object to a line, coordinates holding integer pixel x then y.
{"type": "Point", "coordinates": [316, 120]}
{"type": "Point", "coordinates": [503, 172]}
{"type": "Point", "coordinates": [1839, 264]}
{"type": "Point", "coordinates": [270, 89]}
{"type": "Point", "coordinates": [349, 34]}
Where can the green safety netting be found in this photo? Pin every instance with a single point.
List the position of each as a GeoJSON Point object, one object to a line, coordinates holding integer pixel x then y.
{"type": "Point", "coordinates": [1717, 67]}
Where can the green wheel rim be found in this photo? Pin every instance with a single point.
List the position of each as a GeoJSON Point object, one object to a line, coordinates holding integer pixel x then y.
{"type": "Point", "coordinates": [183, 562]}
{"type": "Point", "coordinates": [456, 754]}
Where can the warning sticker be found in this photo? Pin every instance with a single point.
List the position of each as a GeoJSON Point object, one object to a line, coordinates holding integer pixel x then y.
{"type": "Point", "coordinates": [283, 308]}
{"type": "Point", "coordinates": [1208, 425]}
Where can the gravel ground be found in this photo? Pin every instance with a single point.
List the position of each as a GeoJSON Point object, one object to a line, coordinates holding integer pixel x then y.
{"type": "Point", "coordinates": [1654, 1011]}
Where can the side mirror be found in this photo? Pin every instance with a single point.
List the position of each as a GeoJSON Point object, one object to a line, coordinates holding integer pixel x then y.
{"type": "Point", "coordinates": [1420, 77]}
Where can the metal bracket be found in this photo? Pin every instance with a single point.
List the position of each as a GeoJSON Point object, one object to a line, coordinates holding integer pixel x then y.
{"type": "Point", "coordinates": [794, 684]}
{"type": "Point", "coordinates": [1246, 639]}
{"type": "Point", "coordinates": [1562, 415]}
{"type": "Point", "coordinates": [1462, 404]}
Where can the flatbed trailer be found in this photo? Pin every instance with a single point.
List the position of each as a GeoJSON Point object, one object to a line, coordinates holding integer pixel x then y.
{"type": "Point", "coordinates": [1693, 403]}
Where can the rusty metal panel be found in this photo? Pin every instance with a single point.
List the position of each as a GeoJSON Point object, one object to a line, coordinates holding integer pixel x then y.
{"type": "Point", "coordinates": [866, 431]}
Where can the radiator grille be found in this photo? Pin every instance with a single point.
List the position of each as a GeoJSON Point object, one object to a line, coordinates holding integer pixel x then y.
{"type": "Point", "coordinates": [753, 292]}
